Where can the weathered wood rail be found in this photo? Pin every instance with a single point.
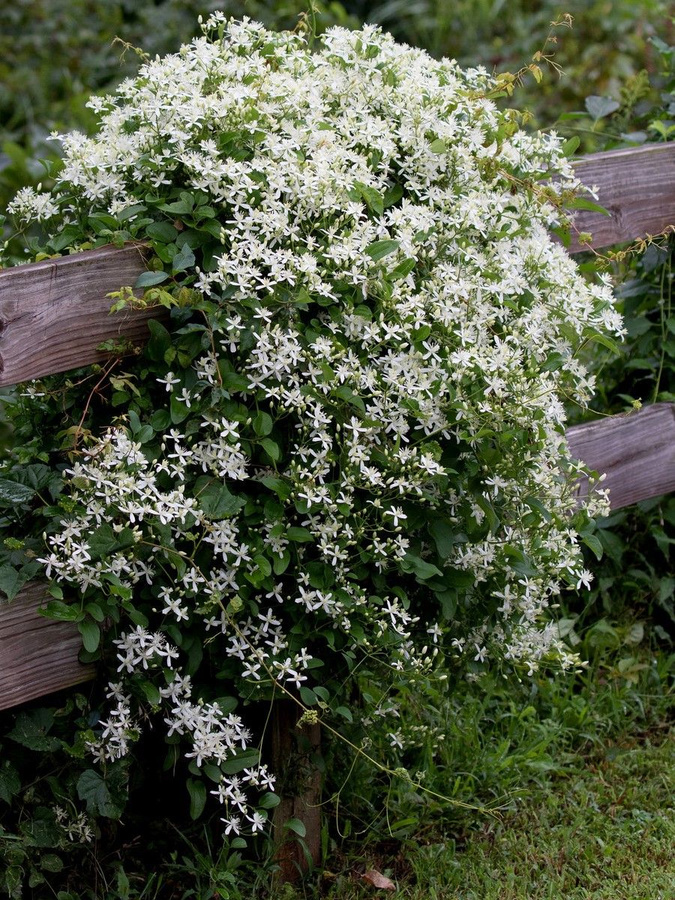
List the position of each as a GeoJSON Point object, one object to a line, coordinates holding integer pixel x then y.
{"type": "Point", "coordinates": [636, 187]}
{"type": "Point", "coordinates": [55, 314]}
{"type": "Point", "coordinates": [636, 452]}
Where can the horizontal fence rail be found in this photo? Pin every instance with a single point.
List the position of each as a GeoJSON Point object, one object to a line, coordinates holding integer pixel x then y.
{"type": "Point", "coordinates": [635, 452]}
{"type": "Point", "coordinates": [637, 188]}
{"type": "Point", "coordinates": [55, 314]}
{"type": "Point", "coordinates": [37, 655]}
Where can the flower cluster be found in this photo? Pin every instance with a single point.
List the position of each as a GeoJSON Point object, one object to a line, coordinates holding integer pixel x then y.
{"type": "Point", "coordinates": [363, 456]}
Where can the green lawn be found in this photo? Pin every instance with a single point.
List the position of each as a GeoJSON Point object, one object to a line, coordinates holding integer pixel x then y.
{"type": "Point", "coordinates": [605, 831]}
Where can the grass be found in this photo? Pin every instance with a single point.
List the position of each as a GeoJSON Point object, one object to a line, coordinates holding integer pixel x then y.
{"type": "Point", "coordinates": [581, 768]}
{"type": "Point", "coordinates": [604, 831]}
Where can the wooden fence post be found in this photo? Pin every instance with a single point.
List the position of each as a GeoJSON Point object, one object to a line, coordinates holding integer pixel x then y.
{"type": "Point", "coordinates": [295, 752]}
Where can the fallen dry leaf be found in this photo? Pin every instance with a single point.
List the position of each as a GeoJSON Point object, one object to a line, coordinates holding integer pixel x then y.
{"type": "Point", "coordinates": [378, 880]}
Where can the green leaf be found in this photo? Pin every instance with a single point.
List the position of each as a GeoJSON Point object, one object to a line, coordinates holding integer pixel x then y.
{"type": "Point", "coordinates": [123, 887]}
{"type": "Point", "coordinates": [589, 205]}
{"type": "Point", "coordinates": [563, 233]}
{"type": "Point", "coordinates": [102, 541]}
{"type": "Point", "coordinates": [134, 422]}
{"type": "Point", "coordinates": [50, 862]}
{"type": "Point", "coordinates": [12, 493]}
{"type": "Point", "coordinates": [604, 341]}
{"type": "Point", "coordinates": [536, 505]}
{"type": "Point", "coordinates": [262, 424]}
{"type": "Point", "coordinates": [160, 419]}
{"type": "Point", "coordinates": [146, 433]}
{"type": "Point", "coordinates": [31, 730]}
{"type": "Point", "coordinates": [403, 269]}
{"type": "Point", "coordinates": [269, 801]}
{"type": "Point", "coordinates": [216, 500]}
{"type": "Point", "coordinates": [344, 392]}
{"type": "Point", "coordinates": [566, 627]}
{"type": "Point", "coordinates": [227, 704]}
{"type": "Point", "coordinates": [299, 535]}
{"type": "Point", "coordinates": [372, 197]}
{"type": "Point", "coordinates": [379, 249]}
{"type": "Point", "coordinates": [94, 791]}
{"type": "Point", "coordinates": [281, 563]}
{"type": "Point", "coordinates": [271, 448]}
{"type": "Point", "coordinates": [599, 107]}
{"type": "Point", "coordinates": [183, 260]}
{"type": "Point", "coordinates": [71, 234]}
{"type": "Point", "coordinates": [162, 231]}
{"type": "Point", "coordinates": [178, 410]}
{"type": "Point", "coordinates": [490, 514]}
{"type": "Point", "coordinates": [10, 783]}
{"type": "Point", "coordinates": [263, 564]}
{"type": "Point", "coordinates": [148, 279]}
{"type": "Point", "coordinates": [12, 580]}
{"type": "Point", "coordinates": [448, 601]}
{"type": "Point", "coordinates": [182, 207]}
{"type": "Point", "coordinates": [130, 211]}
{"type": "Point", "coordinates": [197, 792]}
{"type": "Point", "coordinates": [519, 561]}
{"type": "Point", "coordinates": [61, 612]}
{"type": "Point", "coordinates": [444, 537]}
{"type": "Point", "coordinates": [593, 543]}
{"type": "Point", "coordinates": [278, 485]}
{"type": "Point", "coordinates": [151, 692]}
{"type": "Point", "coordinates": [38, 477]}
{"type": "Point", "coordinates": [245, 760]}
{"type": "Point", "coordinates": [438, 146]}
{"type": "Point", "coordinates": [91, 635]}
{"type": "Point", "coordinates": [393, 195]}
{"type": "Point", "coordinates": [308, 696]}
{"type": "Point", "coordinates": [297, 826]}
{"type": "Point", "coordinates": [570, 146]}
{"type": "Point", "coordinates": [421, 569]}
{"type": "Point", "coordinates": [160, 341]}
{"type": "Point", "coordinates": [235, 381]}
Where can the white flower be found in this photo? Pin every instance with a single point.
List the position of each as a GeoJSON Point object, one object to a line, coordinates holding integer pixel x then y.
{"type": "Point", "coordinates": [232, 825]}
{"type": "Point", "coordinates": [342, 384]}
{"type": "Point", "coordinates": [169, 380]}
{"type": "Point", "coordinates": [396, 513]}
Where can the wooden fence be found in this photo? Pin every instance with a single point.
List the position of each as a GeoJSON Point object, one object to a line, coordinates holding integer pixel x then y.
{"type": "Point", "coordinates": [54, 314]}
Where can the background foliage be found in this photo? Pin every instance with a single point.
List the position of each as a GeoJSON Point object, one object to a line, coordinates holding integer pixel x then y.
{"type": "Point", "coordinates": [501, 742]}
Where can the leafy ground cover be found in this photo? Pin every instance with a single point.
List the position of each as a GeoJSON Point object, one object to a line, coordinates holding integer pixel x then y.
{"type": "Point", "coordinates": [604, 829]}
{"type": "Point", "coordinates": [578, 773]}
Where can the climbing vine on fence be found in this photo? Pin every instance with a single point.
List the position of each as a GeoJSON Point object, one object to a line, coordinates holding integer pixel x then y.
{"type": "Point", "coordinates": [341, 459]}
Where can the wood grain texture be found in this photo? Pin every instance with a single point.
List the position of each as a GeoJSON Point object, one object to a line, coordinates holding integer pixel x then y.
{"type": "Point", "coordinates": [295, 751]}
{"type": "Point", "coordinates": [637, 453]}
{"type": "Point", "coordinates": [636, 186]}
{"type": "Point", "coordinates": [37, 655]}
{"type": "Point", "coordinates": [54, 314]}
